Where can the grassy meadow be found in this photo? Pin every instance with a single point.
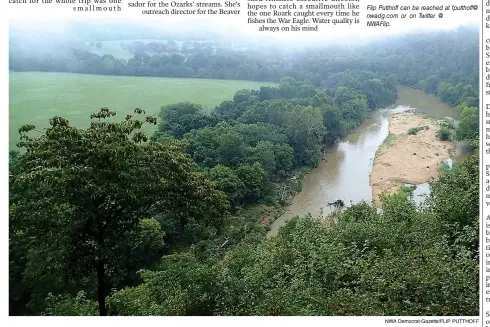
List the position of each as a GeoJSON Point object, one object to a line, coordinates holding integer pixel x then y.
{"type": "Point", "coordinates": [36, 97]}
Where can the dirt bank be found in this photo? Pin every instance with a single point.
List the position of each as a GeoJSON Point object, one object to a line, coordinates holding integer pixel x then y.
{"type": "Point", "coordinates": [408, 159]}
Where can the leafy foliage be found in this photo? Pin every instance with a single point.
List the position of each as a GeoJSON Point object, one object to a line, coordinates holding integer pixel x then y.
{"type": "Point", "coordinates": [143, 226]}
{"type": "Point", "coordinates": [444, 133]}
{"type": "Point", "coordinates": [280, 128]}
{"type": "Point", "coordinates": [468, 128]}
{"type": "Point", "coordinates": [79, 195]}
{"type": "Point", "coordinates": [65, 305]}
{"type": "Point", "coordinates": [181, 118]}
{"type": "Point", "coordinates": [415, 130]}
{"type": "Point", "coordinates": [401, 262]}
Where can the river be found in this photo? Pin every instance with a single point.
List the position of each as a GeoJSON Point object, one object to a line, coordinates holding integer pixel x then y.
{"type": "Point", "coordinates": [345, 173]}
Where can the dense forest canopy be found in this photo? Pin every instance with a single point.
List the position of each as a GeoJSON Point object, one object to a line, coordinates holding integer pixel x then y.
{"type": "Point", "coordinates": [427, 58]}
{"type": "Point", "coordinates": [107, 220]}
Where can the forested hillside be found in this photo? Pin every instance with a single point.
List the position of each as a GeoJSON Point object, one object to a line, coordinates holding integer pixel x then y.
{"type": "Point", "coordinates": [107, 220]}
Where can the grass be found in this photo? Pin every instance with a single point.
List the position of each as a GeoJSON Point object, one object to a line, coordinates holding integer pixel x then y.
{"type": "Point", "coordinates": [389, 141]}
{"type": "Point", "coordinates": [36, 97]}
{"type": "Point", "coordinates": [415, 130]}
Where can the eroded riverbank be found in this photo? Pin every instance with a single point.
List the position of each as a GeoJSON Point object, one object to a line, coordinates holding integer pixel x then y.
{"type": "Point", "coordinates": [408, 158]}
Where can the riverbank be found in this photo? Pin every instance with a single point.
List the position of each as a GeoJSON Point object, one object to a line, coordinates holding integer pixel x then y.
{"type": "Point", "coordinates": [405, 158]}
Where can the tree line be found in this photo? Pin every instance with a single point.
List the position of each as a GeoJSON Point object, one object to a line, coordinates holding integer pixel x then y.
{"type": "Point", "coordinates": [441, 63]}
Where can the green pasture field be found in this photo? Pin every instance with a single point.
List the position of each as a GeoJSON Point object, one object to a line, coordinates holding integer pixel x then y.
{"type": "Point", "coordinates": [36, 97]}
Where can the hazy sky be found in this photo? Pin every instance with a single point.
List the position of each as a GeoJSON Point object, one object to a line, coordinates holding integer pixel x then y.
{"type": "Point", "coordinates": [52, 18]}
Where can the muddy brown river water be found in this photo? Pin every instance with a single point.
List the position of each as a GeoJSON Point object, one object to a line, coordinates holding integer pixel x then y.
{"type": "Point", "coordinates": [345, 173]}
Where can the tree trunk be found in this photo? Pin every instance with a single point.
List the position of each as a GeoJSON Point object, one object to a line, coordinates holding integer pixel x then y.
{"type": "Point", "coordinates": [101, 288]}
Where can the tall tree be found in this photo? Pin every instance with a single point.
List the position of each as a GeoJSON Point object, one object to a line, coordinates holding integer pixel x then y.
{"type": "Point", "coordinates": [78, 195]}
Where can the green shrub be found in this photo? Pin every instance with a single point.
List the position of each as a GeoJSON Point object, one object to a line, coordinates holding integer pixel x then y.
{"type": "Point", "coordinates": [415, 130]}
{"type": "Point", "coordinates": [408, 189]}
{"type": "Point", "coordinates": [444, 133]}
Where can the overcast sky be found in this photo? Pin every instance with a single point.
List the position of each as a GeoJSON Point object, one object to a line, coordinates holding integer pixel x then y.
{"type": "Point", "coordinates": [52, 17]}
